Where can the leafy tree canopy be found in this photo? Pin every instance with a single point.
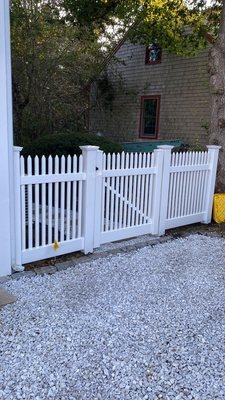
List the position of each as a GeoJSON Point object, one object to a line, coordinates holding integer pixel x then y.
{"type": "Point", "coordinates": [52, 62]}
{"type": "Point", "coordinates": [179, 26]}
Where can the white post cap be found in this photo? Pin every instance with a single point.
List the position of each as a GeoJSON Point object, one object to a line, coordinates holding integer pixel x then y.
{"type": "Point", "coordinates": [165, 147]}
{"type": "Point", "coordinates": [213, 147]}
{"type": "Point", "coordinates": [89, 148]}
{"type": "Point", "coordinates": [17, 148]}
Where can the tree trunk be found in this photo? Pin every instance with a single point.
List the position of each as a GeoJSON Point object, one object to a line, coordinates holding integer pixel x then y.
{"type": "Point", "coordinates": [217, 83]}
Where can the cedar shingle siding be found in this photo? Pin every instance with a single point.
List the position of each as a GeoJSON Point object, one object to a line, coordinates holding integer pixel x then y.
{"type": "Point", "coordinates": [182, 83]}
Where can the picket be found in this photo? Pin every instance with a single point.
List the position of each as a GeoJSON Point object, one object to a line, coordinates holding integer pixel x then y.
{"type": "Point", "coordinates": [64, 204]}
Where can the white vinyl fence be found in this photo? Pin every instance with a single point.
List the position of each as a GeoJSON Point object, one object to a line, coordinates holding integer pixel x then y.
{"type": "Point", "coordinates": [78, 203]}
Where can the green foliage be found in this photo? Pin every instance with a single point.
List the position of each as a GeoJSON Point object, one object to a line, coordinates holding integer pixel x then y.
{"type": "Point", "coordinates": [57, 51]}
{"type": "Point", "coordinates": [106, 89]}
{"type": "Point", "coordinates": [173, 25]}
{"type": "Point", "coordinates": [91, 12]}
{"type": "Point", "coordinates": [68, 144]}
{"type": "Point", "coordinates": [52, 62]}
{"type": "Point", "coordinates": [179, 26]}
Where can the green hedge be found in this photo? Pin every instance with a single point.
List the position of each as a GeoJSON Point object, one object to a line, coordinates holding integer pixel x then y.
{"type": "Point", "coordinates": [68, 143]}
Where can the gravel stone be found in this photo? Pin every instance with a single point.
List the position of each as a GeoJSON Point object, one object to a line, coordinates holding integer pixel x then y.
{"type": "Point", "coordinates": [148, 324]}
{"type": "Point", "coordinates": [50, 269]}
{"type": "Point", "coordinates": [62, 266]}
{"type": "Point", "coordinates": [4, 279]}
{"type": "Point", "coordinates": [18, 275]}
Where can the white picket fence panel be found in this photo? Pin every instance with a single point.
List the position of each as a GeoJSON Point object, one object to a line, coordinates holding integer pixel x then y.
{"type": "Point", "coordinates": [129, 191]}
{"type": "Point", "coordinates": [188, 176]}
{"type": "Point", "coordinates": [83, 202]}
{"type": "Point", "coordinates": [50, 206]}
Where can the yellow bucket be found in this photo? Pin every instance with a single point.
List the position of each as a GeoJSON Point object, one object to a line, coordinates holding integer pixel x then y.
{"type": "Point", "coordinates": [219, 207]}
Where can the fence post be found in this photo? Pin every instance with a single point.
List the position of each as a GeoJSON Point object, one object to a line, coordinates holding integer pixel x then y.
{"type": "Point", "coordinates": [17, 207]}
{"type": "Point", "coordinates": [213, 153]}
{"type": "Point", "coordinates": [166, 149]}
{"type": "Point", "coordinates": [6, 145]}
{"type": "Point", "coordinates": [88, 207]}
{"type": "Point", "coordinates": [98, 199]}
{"type": "Point", "coordinates": [161, 188]}
{"type": "Point", "coordinates": [158, 164]}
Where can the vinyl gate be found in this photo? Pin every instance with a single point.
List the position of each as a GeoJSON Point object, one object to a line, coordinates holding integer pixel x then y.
{"type": "Point", "coordinates": [78, 203]}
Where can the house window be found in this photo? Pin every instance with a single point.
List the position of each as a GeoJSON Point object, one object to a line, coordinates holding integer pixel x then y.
{"type": "Point", "coordinates": [153, 54]}
{"type": "Point", "coordinates": [149, 121]}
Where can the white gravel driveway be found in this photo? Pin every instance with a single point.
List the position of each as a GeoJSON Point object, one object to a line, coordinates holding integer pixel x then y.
{"type": "Point", "coordinates": [149, 324]}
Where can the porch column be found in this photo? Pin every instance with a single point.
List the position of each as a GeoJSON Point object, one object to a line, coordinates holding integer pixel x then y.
{"type": "Point", "coordinates": [7, 241]}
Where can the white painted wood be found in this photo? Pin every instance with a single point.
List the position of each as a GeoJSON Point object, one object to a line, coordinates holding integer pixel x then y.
{"type": "Point", "coordinates": [200, 181]}
{"type": "Point", "coordinates": [190, 180]}
{"type": "Point", "coordinates": [56, 202]}
{"type": "Point", "coordinates": [192, 186]}
{"type": "Point", "coordinates": [130, 185]}
{"type": "Point", "coordinates": [117, 192]}
{"type": "Point", "coordinates": [213, 154]}
{"type": "Point", "coordinates": [68, 201]}
{"type": "Point", "coordinates": [114, 197]}
{"type": "Point", "coordinates": [188, 158]}
{"type": "Point", "coordinates": [125, 203]}
{"type": "Point", "coordinates": [103, 194]}
{"type": "Point", "coordinates": [138, 190]}
{"type": "Point", "coordinates": [185, 220]}
{"type": "Point", "coordinates": [163, 197]}
{"type": "Point", "coordinates": [173, 213]}
{"type": "Point", "coordinates": [18, 222]}
{"type": "Point", "coordinates": [80, 205]}
{"type": "Point", "coordinates": [62, 202]}
{"type": "Point", "coordinates": [128, 172]}
{"type": "Point", "coordinates": [23, 206]}
{"type": "Point", "coordinates": [158, 160]}
{"type": "Point", "coordinates": [50, 202]}
{"type": "Point", "coordinates": [43, 252]}
{"type": "Point", "coordinates": [143, 191]}
{"type": "Point", "coordinates": [58, 177]}
{"type": "Point", "coordinates": [107, 215]}
{"type": "Point", "coordinates": [37, 205]}
{"type": "Point", "coordinates": [121, 197]}
{"type": "Point", "coordinates": [203, 186]}
{"type": "Point", "coordinates": [48, 214]}
{"type": "Point", "coordinates": [7, 226]}
{"type": "Point", "coordinates": [191, 168]}
{"type": "Point", "coordinates": [184, 194]}
{"type": "Point", "coordinates": [181, 190]}
{"type": "Point", "coordinates": [30, 205]}
{"type": "Point", "coordinates": [125, 233]}
{"type": "Point", "coordinates": [196, 189]}
{"type": "Point", "coordinates": [171, 188]}
{"type": "Point", "coordinates": [134, 193]}
{"type": "Point", "coordinates": [152, 179]}
{"type": "Point", "coordinates": [99, 190]}
{"type": "Point", "coordinates": [89, 166]}
{"type": "Point", "coordinates": [74, 199]}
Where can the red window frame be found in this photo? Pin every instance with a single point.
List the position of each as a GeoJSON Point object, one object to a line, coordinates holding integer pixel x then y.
{"type": "Point", "coordinates": [147, 62]}
{"type": "Point", "coordinates": [141, 123]}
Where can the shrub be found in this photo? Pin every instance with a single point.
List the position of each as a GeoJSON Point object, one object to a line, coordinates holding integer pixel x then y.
{"type": "Point", "coordinates": [68, 144]}
{"type": "Point", "coordinates": [188, 147]}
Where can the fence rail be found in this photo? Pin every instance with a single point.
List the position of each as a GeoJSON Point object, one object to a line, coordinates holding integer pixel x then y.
{"type": "Point", "coordinates": [77, 203]}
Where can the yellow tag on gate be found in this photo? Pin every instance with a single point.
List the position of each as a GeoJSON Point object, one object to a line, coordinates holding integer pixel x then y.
{"type": "Point", "coordinates": [55, 245]}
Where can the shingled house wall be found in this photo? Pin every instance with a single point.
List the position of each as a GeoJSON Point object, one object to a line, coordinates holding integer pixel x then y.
{"type": "Point", "coordinates": [182, 83]}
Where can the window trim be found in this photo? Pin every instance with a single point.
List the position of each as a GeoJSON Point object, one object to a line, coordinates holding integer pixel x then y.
{"type": "Point", "coordinates": [141, 126]}
{"type": "Point", "coordinates": [147, 62]}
